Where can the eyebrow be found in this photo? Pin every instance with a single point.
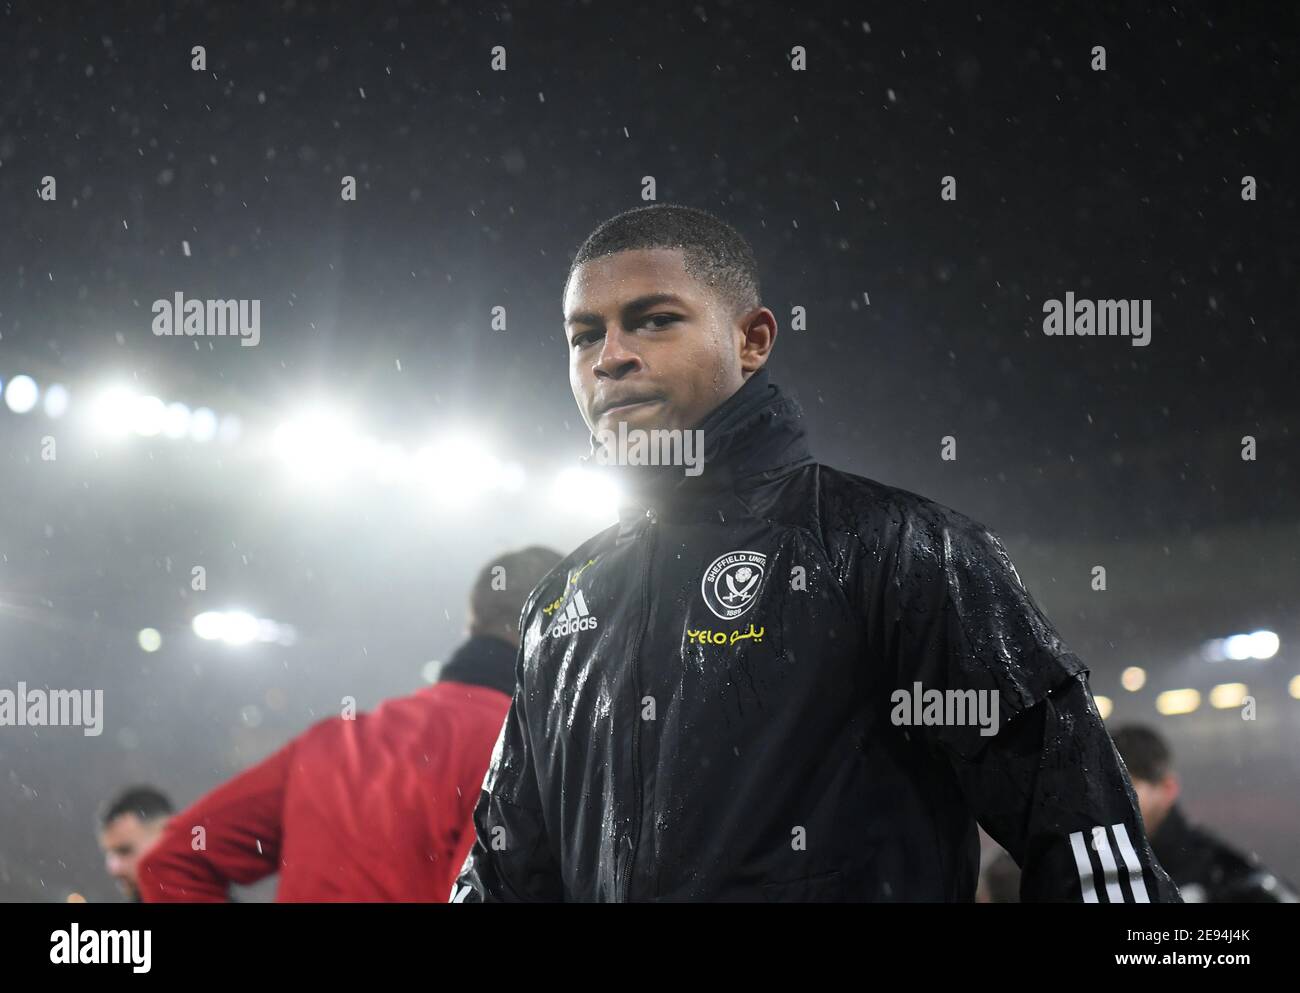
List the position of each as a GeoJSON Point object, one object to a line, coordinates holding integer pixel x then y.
{"type": "Point", "coordinates": [629, 309]}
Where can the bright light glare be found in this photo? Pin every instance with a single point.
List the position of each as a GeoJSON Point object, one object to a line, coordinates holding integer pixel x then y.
{"type": "Point", "coordinates": [209, 625]}
{"type": "Point", "coordinates": [513, 477]}
{"type": "Point", "coordinates": [113, 411]}
{"type": "Point", "coordinates": [1133, 678]}
{"type": "Point", "coordinates": [587, 492]}
{"type": "Point", "coordinates": [389, 462]}
{"type": "Point", "coordinates": [1228, 695]}
{"type": "Point", "coordinates": [460, 469]}
{"type": "Point", "coordinates": [21, 394]}
{"type": "Point", "coordinates": [147, 416]}
{"type": "Point", "coordinates": [203, 425]}
{"type": "Point", "coordinates": [1237, 647]}
{"type": "Point", "coordinates": [1264, 644]}
{"type": "Point", "coordinates": [176, 421]}
{"type": "Point", "coordinates": [238, 627]}
{"type": "Point", "coordinates": [1257, 645]}
{"type": "Point", "coordinates": [1172, 702]}
{"type": "Point", "coordinates": [317, 447]}
{"type": "Point", "coordinates": [56, 400]}
{"type": "Point", "coordinates": [231, 428]}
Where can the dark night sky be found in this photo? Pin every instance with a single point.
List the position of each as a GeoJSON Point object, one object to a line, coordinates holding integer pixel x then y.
{"type": "Point", "coordinates": [475, 188]}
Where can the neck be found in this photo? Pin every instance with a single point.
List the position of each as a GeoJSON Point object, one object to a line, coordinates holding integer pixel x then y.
{"type": "Point", "coordinates": [756, 434]}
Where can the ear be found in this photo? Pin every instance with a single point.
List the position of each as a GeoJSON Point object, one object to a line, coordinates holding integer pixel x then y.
{"type": "Point", "coordinates": [757, 330]}
{"type": "Point", "coordinates": [1173, 787]}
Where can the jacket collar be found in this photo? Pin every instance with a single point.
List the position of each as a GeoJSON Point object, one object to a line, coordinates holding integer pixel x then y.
{"type": "Point", "coordinates": [753, 437]}
{"type": "Point", "coordinates": [1174, 834]}
{"type": "Point", "coordinates": [482, 661]}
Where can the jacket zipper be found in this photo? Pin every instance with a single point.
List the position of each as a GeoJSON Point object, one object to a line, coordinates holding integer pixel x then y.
{"type": "Point", "coordinates": [636, 686]}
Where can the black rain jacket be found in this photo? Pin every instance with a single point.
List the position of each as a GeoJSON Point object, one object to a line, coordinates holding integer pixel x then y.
{"type": "Point", "coordinates": [707, 703]}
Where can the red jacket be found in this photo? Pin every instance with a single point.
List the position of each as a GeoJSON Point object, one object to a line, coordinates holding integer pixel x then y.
{"type": "Point", "coordinates": [378, 808]}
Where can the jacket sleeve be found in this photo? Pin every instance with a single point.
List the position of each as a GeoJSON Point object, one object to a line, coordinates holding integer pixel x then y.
{"type": "Point", "coordinates": [511, 859]}
{"type": "Point", "coordinates": [1043, 778]}
{"type": "Point", "coordinates": [239, 841]}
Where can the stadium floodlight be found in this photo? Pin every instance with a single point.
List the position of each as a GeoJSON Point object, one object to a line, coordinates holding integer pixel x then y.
{"type": "Point", "coordinates": [1238, 647]}
{"type": "Point", "coordinates": [266, 630]}
{"type": "Point", "coordinates": [176, 421]}
{"type": "Point", "coordinates": [1172, 702]}
{"type": "Point", "coordinates": [271, 632]}
{"type": "Point", "coordinates": [317, 446]}
{"type": "Point", "coordinates": [147, 416]}
{"type": "Point", "coordinates": [1226, 696]}
{"type": "Point", "coordinates": [458, 468]}
{"type": "Point", "coordinates": [234, 627]}
{"type": "Point", "coordinates": [56, 400]}
{"type": "Point", "coordinates": [203, 425]}
{"type": "Point", "coordinates": [150, 639]}
{"type": "Point", "coordinates": [1264, 644]}
{"type": "Point", "coordinates": [112, 412]}
{"type": "Point", "coordinates": [1260, 645]}
{"type": "Point", "coordinates": [240, 628]}
{"type": "Point", "coordinates": [209, 625]}
{"type": "Point", "coordinates": [1105, 705]}
{"type": "Point", "coordinates": [21, 394]}
{"type": "Point", "coordinates": [1133, 678]}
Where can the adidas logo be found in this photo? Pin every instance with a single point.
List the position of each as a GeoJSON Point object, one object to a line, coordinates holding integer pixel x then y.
{"type": "Point", "coordinates": [576, 617]}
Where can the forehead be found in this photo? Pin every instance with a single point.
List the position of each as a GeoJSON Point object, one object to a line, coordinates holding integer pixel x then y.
{"type": "Point", "coordinates": [605, 283]}
{"type": "Point", "coordinates": [123, 830]}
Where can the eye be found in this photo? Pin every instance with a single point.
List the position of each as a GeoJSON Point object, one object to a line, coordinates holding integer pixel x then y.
{"type": "Point", "coordinates": [584, 338]}
{"type": "Point", "coordinates": [661, 320]}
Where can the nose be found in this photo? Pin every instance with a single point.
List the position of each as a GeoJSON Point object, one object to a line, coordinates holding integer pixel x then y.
{"type": "Point", "coordinates": [617, 357]}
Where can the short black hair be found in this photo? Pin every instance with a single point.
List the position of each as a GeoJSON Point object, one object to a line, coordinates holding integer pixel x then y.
{"type": "Point", "coordinates": [1146, 754]}
{"type": "Point", "coordinates": [495, 609]}
{"type": "Point", "coordinates": [713, 252]}
{"type": "Point", "coordinates": [146, 802]}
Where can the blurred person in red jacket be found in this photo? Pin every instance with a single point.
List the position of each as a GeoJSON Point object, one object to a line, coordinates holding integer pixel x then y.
{"type": "Point", "coordinates": [376, 808]}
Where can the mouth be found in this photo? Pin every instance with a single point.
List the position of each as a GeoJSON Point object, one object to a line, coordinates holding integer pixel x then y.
{"type": "Point", "coordinates": [624, 405]}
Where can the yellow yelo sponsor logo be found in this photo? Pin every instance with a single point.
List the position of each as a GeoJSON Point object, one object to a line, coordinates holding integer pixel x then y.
{"type": "Point", "coordinates": [554, 605]}
{"type": "Point", "coordinates": [706, 637]}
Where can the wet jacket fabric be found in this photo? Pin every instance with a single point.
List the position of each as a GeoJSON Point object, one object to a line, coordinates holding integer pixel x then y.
{"type": "Point", "coordinates": [1207, 870]}
{"type": "Point", "coordinates": [706, 702]}
{"type": "Point", "coordinates": [372, 809]}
